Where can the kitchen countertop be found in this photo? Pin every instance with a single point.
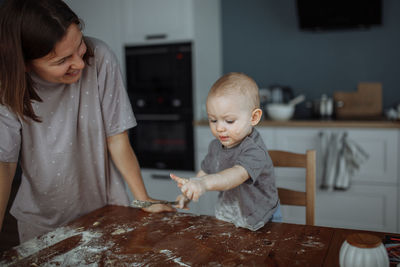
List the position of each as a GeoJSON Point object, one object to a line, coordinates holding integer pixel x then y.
{"type": "Point", "coordinates": [323, 123]}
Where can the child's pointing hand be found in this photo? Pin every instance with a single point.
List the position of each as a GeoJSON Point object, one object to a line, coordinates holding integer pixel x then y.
{"type": "Point", "coordinates": [180, 181]}
{"type": "Point", "coordinates": [192, 188]}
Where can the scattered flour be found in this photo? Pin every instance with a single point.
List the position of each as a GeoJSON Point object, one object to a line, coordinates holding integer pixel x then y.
{"type": "Point", "coordinates": [173, 258]}
{"type": "Point", "coordinates": [122, 231]}
{"type": "Point", "coordinates": [226, 234]}
{"type": "Point", "coordinates": [72, 257]}
{"type": "Point", "coordinates": [311, 243]}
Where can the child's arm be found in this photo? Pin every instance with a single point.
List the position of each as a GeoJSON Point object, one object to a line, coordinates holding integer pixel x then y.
{"type": "Point", "coordinates": [227, 179]}
{"type": "Point", "coordinates": [201, 173]}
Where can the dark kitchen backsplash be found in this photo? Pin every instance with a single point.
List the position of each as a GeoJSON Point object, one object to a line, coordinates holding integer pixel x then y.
{"type": "Point", "coordinates": [268, 44]}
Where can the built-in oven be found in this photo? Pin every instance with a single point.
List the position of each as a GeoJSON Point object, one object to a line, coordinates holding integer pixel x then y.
{"type": "Point", "coordinates": [159, 83]}
{"type": "Point", "coordinates": [163, 141]}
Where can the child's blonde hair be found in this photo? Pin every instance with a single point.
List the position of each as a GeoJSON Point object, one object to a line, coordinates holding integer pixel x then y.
{"type": "Point", "coordinates": [237, 83]}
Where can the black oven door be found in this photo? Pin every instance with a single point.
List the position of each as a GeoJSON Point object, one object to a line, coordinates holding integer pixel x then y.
{"type": "Point", "coordinates": [159, 78]}
{"type": "Point", "coordinates": [163, 141]}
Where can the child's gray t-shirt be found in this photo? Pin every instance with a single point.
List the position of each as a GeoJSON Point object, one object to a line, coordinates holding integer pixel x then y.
{"type": "Point", "coordinates": [67, 171]}
{"type": "Point", "coordinates": [252, 203]}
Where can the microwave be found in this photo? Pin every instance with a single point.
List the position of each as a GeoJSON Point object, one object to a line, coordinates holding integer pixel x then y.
{"type": "Point", "coordinates": [159, 78]}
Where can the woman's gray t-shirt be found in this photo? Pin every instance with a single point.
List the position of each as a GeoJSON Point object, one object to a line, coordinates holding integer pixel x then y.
{"type": "Point", "coordinates": [252, 203]}
{"type": "Point", "coordinates": [67, 171]}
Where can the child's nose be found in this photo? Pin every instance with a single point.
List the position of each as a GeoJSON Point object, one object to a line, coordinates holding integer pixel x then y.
{"type": "Point", "coordinates": [220, 127]}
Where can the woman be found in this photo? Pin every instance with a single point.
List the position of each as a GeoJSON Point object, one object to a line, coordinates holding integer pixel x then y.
{"type": "Point", "coordinates": [64, 113]}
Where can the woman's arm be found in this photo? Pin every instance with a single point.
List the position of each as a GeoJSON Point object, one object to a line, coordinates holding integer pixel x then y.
{"type": "Point", "coordinates": [7, 172]}
{"type": "Point", "coordinates": [125, 160]}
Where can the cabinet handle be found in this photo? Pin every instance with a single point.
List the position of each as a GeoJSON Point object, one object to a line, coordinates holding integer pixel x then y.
{"type": "Point", "coordinates": [160, 176]}
{"type": "Point", "coordinates": [156, 36]}
{"type": "Point", "coordinates": [158, 117]}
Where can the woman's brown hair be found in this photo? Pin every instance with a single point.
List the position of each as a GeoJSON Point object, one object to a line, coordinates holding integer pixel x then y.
{"type": "Point", "coordinates": [29, 29]}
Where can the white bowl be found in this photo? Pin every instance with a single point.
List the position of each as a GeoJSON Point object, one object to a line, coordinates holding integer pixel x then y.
{"type": "Point", "coordinates": [280, 112]}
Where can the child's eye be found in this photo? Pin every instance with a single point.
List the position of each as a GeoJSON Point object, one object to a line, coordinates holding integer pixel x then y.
{"type": "Point", "coordinates": [212, 121]}
{"type": "Point", "coordinates": [230, 121]}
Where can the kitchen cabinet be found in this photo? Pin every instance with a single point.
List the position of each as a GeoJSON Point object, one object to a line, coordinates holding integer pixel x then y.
{"type": "Point", "coordinates": [147, 22]}
{"type": "Point", "coordinates": [157, 20]}
{"type": "Point", "coordinates": [372, 200]}
{"type": "Point", "coordinates": [380, 144]}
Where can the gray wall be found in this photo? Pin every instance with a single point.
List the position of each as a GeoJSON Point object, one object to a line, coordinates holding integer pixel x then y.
{"type": "Point", "coordinates": [262, 39]}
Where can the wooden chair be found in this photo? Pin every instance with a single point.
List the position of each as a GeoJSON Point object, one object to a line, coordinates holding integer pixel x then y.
{"type": "Point", "coordinates": [292, 197]}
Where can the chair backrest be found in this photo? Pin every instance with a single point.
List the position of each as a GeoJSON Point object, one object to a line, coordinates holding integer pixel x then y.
{"type": "Point", "coordinates": [293, 197]}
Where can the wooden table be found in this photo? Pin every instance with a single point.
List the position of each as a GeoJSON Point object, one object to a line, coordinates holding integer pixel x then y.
{"type": "Point", "coordinates": [122, 236]}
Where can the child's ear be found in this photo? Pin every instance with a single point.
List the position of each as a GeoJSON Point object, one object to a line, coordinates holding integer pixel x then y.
{"type": "Point", "coordinates": [256, 116]}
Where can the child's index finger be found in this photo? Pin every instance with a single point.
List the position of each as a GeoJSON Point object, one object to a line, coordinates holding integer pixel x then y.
{"type": "Point", "coordinates": [174, 177]}
{"type": "Point", "coordinates": [177, 179]}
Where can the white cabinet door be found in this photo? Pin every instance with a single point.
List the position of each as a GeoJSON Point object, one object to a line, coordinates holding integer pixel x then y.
{"type": "Point", "coordinates": [202, 138]}
{"type": "Point", "coordinates": [296, 139]}
{"type": "Point", "coordinates": [157, 20]}
{"type": "Point", "coordinates": [268, 136]}
{"type": "Point", "coordinates": [360, 207]}
{"type": "Point", "coordinates": [382, 147]}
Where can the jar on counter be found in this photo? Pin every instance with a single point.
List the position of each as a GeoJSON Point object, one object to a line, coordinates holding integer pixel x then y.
{"type": "Point", "coordinates": [323, 107]}
{"type": "Point", "coordinates": [363, 250]}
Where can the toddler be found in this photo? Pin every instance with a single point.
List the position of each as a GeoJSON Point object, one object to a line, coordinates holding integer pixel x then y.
{"type": "Point", "coordinates": [237, 163]}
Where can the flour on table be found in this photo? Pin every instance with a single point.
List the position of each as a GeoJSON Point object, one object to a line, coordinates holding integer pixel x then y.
{"type": "Point", "coordinates": [73, 256]}
{"type": "Point", "coordinates": [121, 231]}
{"type": "Point", "coordinates": [175, 259]}
{"type": "Point", "coordinates": [87, 253]}
{"type": "Point", "coordinates": [310, 242]}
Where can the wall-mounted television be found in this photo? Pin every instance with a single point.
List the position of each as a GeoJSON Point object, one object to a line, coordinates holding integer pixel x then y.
{"type": "Point", "coordinates": [323, 15]}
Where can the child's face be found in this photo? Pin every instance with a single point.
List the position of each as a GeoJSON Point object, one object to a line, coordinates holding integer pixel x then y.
{"type": "Point", "coordinates": [65, 63]}
{"type": "Point", "coordinates": [230, 118]}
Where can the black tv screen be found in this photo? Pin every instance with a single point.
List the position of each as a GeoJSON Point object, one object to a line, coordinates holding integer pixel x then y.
{"type": "Point", "coordinates": [339, 14]}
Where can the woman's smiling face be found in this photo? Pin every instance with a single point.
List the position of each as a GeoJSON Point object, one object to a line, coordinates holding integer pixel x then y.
{"type": "Point", "coordinates": [64, 64]}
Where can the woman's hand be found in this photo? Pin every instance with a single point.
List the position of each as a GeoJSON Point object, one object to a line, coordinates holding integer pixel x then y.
{"type": "Point", "coordinates": [182, 202]}
{"type": "Point", "coordinates": [156, 208]}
